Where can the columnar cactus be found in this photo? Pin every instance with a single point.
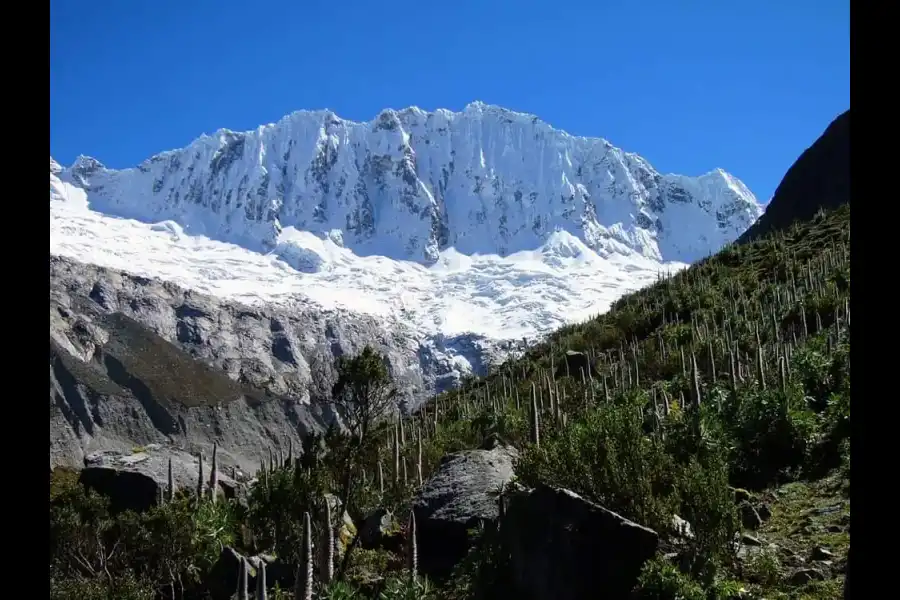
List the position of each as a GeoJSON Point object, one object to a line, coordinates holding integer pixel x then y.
{"type": "Point", "coordinates": [243, 579]}
{"type": "Point", "coordinates": [327, 569]}
{"type": "Point", "coordinates": [695, 381]}
{"type": "Point", "coordinates": [412, 549]}
{"type": "Point", "coordinates": [535, 418]}
{"type": "Point", "coordinates": [396, 456]}
{"type": "Point", "coordinates": [171, 488]}
{"type": "Point", "coordinates": [760, 362]}
{"type": "Point", "coordinates": [261, 591]}
{"type": "Point", "coordinates": [214, 474]}
{"type": "Point", "coordinates": [303, 587]}
{"type": "Point", "coordinates": [200, 477]}
{"type": "Point", "coordinates": [419, 459]}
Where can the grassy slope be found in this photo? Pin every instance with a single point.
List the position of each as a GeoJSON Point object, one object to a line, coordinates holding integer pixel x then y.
{"type": "Point", "coordinates": [765, 289]}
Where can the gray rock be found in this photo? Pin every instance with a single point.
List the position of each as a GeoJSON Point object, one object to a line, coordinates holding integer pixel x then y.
{"type": "Point", "coordinates": [457, 497]}
{"type": "Point", "coordinates": [222, 579]}
{"type": "Point", "coordinates": [562, 547]}
{"type": "Point", "coordinates": [805, 575]}
{"type": "Point", "coordinates": [134, 480]}
{"type": "Point", "coordinates": [380, 530]}
{"type": "Point", "coordinates": [126, 490]}
{"type": "Point", "coordinates": [750, 518]}
{"type": "Point", "coordinates": [135, 361]}
{"type": "Point", "coordinates": [573, 364]}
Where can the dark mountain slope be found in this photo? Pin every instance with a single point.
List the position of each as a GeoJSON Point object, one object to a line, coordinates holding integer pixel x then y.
{"type": "Point", "coordinates": [820, 178]}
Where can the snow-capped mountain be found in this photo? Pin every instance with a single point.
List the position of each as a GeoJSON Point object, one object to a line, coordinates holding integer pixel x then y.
{"type": "Point", "coordinates": [411, 184]}
{"type": "Point", "coordinates": [481, 225]}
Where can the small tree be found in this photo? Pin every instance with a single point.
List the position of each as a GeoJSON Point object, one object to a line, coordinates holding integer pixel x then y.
{"type": "Point", "coordinates": [363, 393]}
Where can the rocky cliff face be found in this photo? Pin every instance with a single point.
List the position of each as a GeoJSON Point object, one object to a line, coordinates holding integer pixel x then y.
{"type": "Point", "coordinates": [819, 178]}
{"type": "Point", "coordinates": [410, 184]}
{"type": "Point", "coordinates": [135, 361]}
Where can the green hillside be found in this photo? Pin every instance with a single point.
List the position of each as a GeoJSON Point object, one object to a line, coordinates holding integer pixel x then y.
{"type": "Point", "coordinates": [721, 394]}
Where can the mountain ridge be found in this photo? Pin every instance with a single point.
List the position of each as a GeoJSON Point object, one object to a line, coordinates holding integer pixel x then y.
{"type": "Point", "coordinates": [410, 184]}
{"type": "Point", "coordinates": [818, 179]}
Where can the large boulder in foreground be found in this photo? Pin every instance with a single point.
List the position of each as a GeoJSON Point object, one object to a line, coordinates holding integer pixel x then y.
{"type": "Point", "coordinates": [563, 547]}
{"type": "Point", "coordinates": [458, 497]}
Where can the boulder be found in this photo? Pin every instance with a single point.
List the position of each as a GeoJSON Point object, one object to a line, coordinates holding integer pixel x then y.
{"type": "Point", "coordinates": [459, 496]}
{"type": "Point", "coordinates": [563, 547]}
{"type": "Point", "coordinates": [134, 481]}
{"type": "Point", "coordinates": [222, 580]}
{"type": "Point", "coordinates": [573, 363]}
{"type": "Point", "coordinates": [126, 490]}
{"type": "Point", "coordinates": [380, 531]}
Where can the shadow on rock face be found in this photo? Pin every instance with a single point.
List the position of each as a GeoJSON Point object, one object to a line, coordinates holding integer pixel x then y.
{"type": "Point", "coordinates": [126, 490]}
{"type": "Point", "coordinates": [562, 547]}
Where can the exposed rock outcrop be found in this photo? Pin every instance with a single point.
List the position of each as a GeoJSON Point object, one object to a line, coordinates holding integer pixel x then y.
{"type": "Point", "coordinates": [135, 480]}
{"type": "Point", "coordinates": [459, 496]}
{"type": "Point", "coordinates": [135, 361]}
{"type": "Point", "coordinates": [820, 178]}
{"type": "Point", "coordinates": [563, 547]}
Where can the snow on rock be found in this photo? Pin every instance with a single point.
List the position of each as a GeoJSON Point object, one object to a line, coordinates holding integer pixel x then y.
{"type": "Point", "coordinates": [411, 184]}
{"type": "Point", "coordinates": [468, 227]}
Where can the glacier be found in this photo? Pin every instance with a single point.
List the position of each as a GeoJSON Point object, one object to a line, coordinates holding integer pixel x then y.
{"type": "Point", "coordinates": [485, 221]}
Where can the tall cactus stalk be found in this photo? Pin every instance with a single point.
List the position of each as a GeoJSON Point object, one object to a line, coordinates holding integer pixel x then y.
{"type": "Point", "coordinates": [200, 477]}
{"type": "Point", "coordinates": [243, 580]}
{"type": "Point", "coordinates": [695, 380]}
{"type": "Point", "coordinates": [303, 587]}
{"type": "Point", "coordinates": [419, 459]}
{"type": "Point", "coordinates": [413, 548]}
{"type": "Point", "coordinates": [327, 571]}
{"type": "Point", "coordinates": [760, 362]}
{"type": "Point", "coordinates": [381, 478]}
{"type": "Point", "coordinates": [171, 489]}
{"type": "Point", "coordinates": [535, 418]}
{"type": "Point", "coordinates": [396, 456]}
{"type": "Point", "coordinates": [637, 378]}
{"type": "Point", "coordinates": [261, 592]}
{"type": "Point", "coordinates": [214, 474]}
{"type": "Point", "coordinates": [783, 374]}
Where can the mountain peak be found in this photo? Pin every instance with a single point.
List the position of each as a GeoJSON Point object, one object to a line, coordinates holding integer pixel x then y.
{"type": "Point", "coordinates": [411, 183]}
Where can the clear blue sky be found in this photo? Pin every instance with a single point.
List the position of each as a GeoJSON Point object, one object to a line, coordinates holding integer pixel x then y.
{"type": "Point", "coordinates": [689, 84]}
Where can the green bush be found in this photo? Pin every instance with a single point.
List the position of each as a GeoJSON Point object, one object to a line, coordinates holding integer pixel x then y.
{"type": "Point", "coordinates": [606, 457]}
{"type": "Point", "coordinates": [660, 580]}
